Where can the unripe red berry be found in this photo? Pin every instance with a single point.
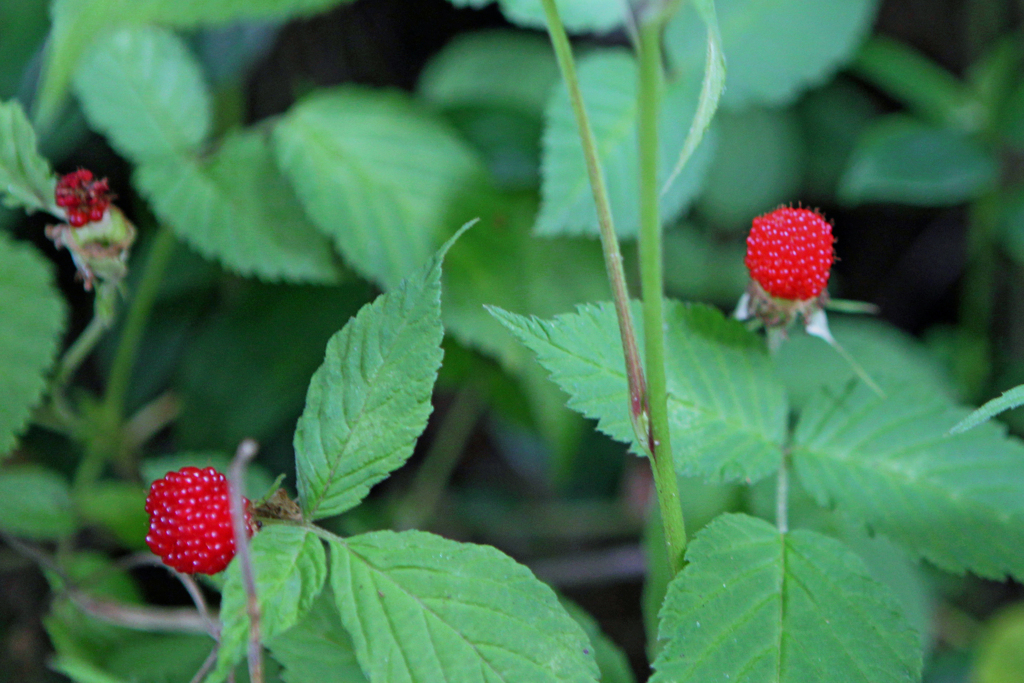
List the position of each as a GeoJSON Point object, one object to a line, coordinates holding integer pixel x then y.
{"type": "Point", "coordinates": [790, 253]}
{"type": "Point", "coordinates": [190, 520]}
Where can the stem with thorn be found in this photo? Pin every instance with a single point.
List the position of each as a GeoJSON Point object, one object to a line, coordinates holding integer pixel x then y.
{"type": "Point", "coordinates": [609, 242]}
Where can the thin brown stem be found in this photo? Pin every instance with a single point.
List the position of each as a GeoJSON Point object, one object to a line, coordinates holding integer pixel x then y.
{"type": "Point", "coordinates": [236, 481]}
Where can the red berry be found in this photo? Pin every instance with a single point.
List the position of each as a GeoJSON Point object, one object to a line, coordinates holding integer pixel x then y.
{"type": "Point", "coordinates": [790, 253]}
{"type": "Point", "coordinates": [190, 520]}
{"type": "Point", "coordinates": [82, 198]}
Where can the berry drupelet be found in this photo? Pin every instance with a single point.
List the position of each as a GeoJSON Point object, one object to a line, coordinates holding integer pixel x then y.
{"type": "Point", "coordinates": [190, 520]}
{"type": "Point", "coordinates": [84, 199]}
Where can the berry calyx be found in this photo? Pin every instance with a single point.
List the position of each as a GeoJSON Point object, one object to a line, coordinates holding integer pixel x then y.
{"type": "Point", "coordinates": [83, 199]}
{"type": "Point", "coordinates": [190, 520]}
{"type": "Point", "coordinates": [790, 253]}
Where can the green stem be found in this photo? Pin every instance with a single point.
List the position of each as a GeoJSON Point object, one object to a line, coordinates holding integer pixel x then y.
{"type": "Point", "coordinates": [419, 504]}
{"type": "Point", "coordinates": [609, 242]}
{"type": "Point", "coordinates": [978, 295]}
{"type": "Point", "coordinates": [135, 324]}
{"type": "Point", "coordinates": [83, 346]}
{"type": "Point", "coordinates": [106, 442]}
{"type": "Point", "coordinates": [648, 107]}
{"type": "Point", "coordinates": [782, 498]}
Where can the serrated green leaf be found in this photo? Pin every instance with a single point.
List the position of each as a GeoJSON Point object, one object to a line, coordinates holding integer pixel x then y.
{"type": "Point", "coordinates": [889, 356]}
{"type": "Point", "coordinates": [1008, 401]}
{"type": "Point", "coordinates": [370, 400]}
{"type": "Point", "coordinates": [712, 86]}
{"type": "Point", "coordinates": [35, 503]}
{"type": "Point", "coordinates": [899, 159]}
{"type": "Point", "coordinates": [31, 321]}
{"type": "Point", "coordinates": [143, 89]}
{"type": "Point", "coordinates": [423, 608]}
{"type": "Point", "coordinates": [957, 501]}
{"type": "Point", "coordinates": [376, 173]}
{"type": "Point", "coordinates": [77, 23]}
{"type": "Point", "coordinates": [26, 179]}
{"type": "Point", "coordinates": [236, 208]}
{"type": "Point", "coordinates": [472, 70]}
{"type": "Point", "coordinates": [758, 166]}
{"type": "Point", "coordinates": [608, 82]}
{"type": "Point", "coordinates": [290, 568]}
{"type": "Point", "coordinates": [756, 605]}
{"type": "Point", "coordinates": [727, 412]}
{"type": "Point", "coordinates": [584, 16]}
{"type": "Point", "coordinates": [318, 648]}
{"type": "Point", "coordinates": [774, 48]}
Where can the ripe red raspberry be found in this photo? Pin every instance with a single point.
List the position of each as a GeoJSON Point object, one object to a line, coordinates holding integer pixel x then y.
{"type": "Point", "coordinates": [190, 520]}
{"type": "Point", "coordinates": [83, 199]}
{"type": "Point", "coordinates": [790, 254]}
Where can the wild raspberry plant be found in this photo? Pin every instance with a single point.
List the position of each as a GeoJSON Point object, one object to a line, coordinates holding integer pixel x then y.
{"type": "Point", "coordinates": [789, 601]}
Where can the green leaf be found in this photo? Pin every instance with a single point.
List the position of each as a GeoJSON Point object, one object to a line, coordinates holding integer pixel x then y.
{"type": "Point", "coordinates": [35, 504]}
{"type": "Point", "coordinates": [833, 119]}
{"type": "Point", "coordinates": [899, 159]}
{"type": "Point", "coordinates": [290, 568]}
{"type": "Point", "coordinates": [119, 507]}
{"type": "Point", "coordinates": [160, 658]}
{"type": "Point", "coordinates": [31, 321]}
{"type": "Point", "coordinates": [25, 25]}
{"type": "Point", "coordinates": [610, 658]}
{"type": "Point", "coordinates": [957, 501]}
{"type": "Point", "coordinates": [1008, 401]}
{"type": "Point", "coordinates": [370, 400]}
{"type": "Point", "coordinates": [144, 90]}
{"type": "Point", "coordinates": [472, 70]}
{"type": "Point", "coordinates": [711, 87]}
{"type": "Point", "coordinates": [891, 357]}
{"type": "Point", "coordinates": [318, 648]}
{"type": "Point", "coordinates": [925, 87]}
{"type": "Point", "coordinates": [423, 608]}
{"type": "Point", "coordinates": [775, 48]}
{"type": "Point", "coordinates": [758, 165]}
{"type": "Point", "coordinates": [26, 179]}
{"type": "Point", "coordinates": [756, 605]}
{"type": "Point", "coordinates": [727, 412]}
{"type": "Point", "coordinates": [608, 82]}
{"type": "Point", "coordinates": [81, 671]}
{"type": "Point", "coordinates": [78, 23]}
{"type": "Point", "coordinates": [377, 174]}
{"type": "Point", "coordinates": [583, 16]}
{"type": "Point", "coordinates": [701, 267]}
{"type": "Point", "coordinates": [236, 208]}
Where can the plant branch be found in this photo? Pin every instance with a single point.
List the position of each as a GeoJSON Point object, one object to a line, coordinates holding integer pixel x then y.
{"type": "Point", "coordinates": [651, 279]}
{"type": "Point", "coordinates": [236, 482]}
{"type": "Point", "coordinates": [135, 325]}
{"type": "Point", "coordinates": [609, 242]}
